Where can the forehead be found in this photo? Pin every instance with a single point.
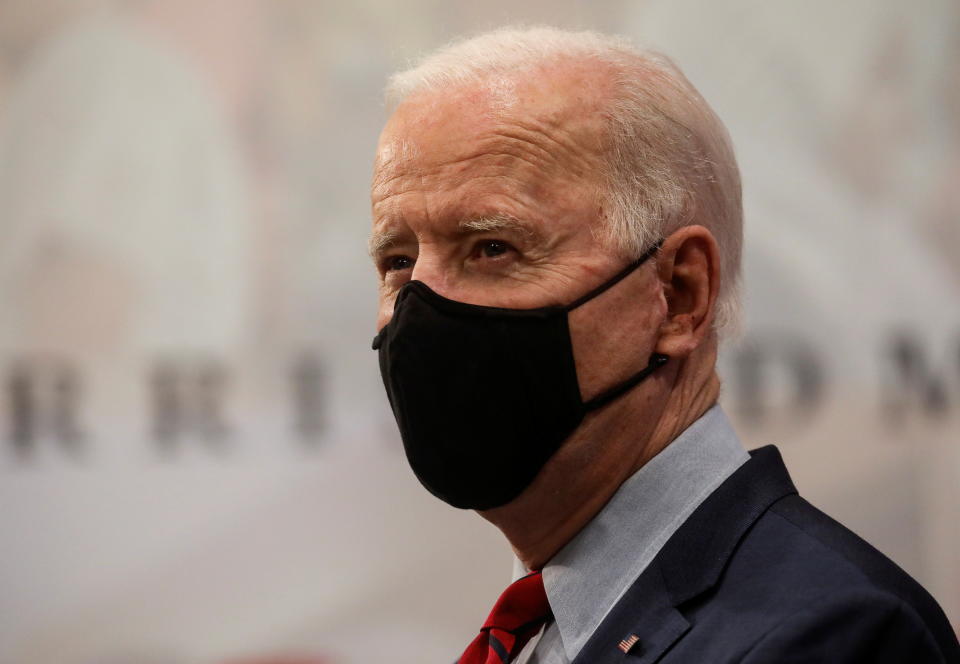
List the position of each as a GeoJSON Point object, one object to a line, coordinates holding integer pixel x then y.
{"type": "Point", "coordinates": [543, 124]}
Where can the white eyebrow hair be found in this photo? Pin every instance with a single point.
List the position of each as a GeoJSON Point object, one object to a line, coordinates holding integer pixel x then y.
{"type": "Point", "coordinates": [380, 242]}
{"type": "Point", "coordinates": [497, 222]}
{"type": "Point", "coordinates": [383, 240]}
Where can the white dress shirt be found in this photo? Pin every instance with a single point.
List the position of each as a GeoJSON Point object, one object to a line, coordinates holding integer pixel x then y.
{"type": "Point", "coordinates": [587, 577]}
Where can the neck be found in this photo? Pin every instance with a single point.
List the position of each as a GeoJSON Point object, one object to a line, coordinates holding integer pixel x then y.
{"type": "Point", "coordinates": [609, 446]}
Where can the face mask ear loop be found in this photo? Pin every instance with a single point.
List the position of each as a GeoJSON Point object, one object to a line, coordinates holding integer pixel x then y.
{"type": "Point", "coordinates": [613, 281]}
{"type": "Point", "coordinates": [657, 360]}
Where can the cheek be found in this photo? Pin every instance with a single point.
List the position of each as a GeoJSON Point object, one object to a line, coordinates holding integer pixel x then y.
{"type": "Point", "coordinates": [613, 337]}
{"type": "Point", "coordinates": [384, 311]}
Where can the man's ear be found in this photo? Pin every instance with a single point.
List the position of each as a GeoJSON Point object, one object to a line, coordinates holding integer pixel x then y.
{"type": "Point", "coordinates": [688, 266]}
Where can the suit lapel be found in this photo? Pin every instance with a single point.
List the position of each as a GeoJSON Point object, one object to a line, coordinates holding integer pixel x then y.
{"type": "Point", "coordinates": [642, 626]}
{"type": "Point", "coordinates": [649, 618]}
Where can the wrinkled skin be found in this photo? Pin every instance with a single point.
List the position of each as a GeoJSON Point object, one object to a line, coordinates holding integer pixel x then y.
{"type": "Point", "coordinates": [490, 194]}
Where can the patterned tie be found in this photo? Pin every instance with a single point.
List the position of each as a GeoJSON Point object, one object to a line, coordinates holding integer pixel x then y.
{"type": "Point", "coordinates": [516, 617]}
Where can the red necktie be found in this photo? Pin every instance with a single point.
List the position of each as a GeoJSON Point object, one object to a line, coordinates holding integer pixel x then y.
{"type": "Point", "coordinates": [516, 617]}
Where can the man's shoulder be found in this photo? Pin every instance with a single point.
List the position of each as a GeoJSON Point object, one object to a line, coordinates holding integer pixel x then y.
{"type": "Point", "coordinates": [815, 543]}
{"type": "Point", "coordinates": [808, 553]}
{"type": "Point", "coordinates": [757, 573]}
{"type": "Point", "coordinates": [801, 572]}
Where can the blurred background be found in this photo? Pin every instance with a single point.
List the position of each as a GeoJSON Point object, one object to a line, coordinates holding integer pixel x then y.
{"type": "Point", "coordinates": [197, 461]}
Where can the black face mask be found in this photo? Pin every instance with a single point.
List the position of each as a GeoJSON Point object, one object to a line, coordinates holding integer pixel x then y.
{"type": "Point", "coordinates": [484, 396]}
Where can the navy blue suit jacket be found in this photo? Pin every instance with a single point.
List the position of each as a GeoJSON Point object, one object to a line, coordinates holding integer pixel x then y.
{"type": "Point", "coordinates": [757, 575]}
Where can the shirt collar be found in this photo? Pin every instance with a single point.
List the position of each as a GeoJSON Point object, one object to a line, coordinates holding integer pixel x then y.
{"type": "Point", "coordinates": [586, 577]}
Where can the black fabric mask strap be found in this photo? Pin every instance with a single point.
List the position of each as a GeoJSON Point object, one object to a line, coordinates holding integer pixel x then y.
{"type": "Point", "coordinates": [615, 279]}
{"type": "Point", "coordinates": [656, 361]}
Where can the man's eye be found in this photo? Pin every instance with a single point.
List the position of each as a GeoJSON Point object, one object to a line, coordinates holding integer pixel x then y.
{"type": "Point", "coordinates": [493, 248]}
{"type": "Point", "coordinates": [398, 263]}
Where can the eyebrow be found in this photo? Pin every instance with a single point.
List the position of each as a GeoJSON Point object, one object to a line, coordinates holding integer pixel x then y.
{"type": "Point", "coordinates": [498, 222]}
{"type": "Point", "coordinates": [382, 241]}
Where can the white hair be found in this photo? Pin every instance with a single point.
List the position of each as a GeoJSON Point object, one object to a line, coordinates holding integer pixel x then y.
{"type": "Point", "coordinates": [669, 161]}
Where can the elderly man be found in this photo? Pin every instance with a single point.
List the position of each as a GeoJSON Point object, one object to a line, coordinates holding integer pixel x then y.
{"type": "Point", "coordinates": [557, 229]}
